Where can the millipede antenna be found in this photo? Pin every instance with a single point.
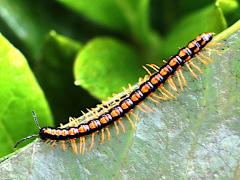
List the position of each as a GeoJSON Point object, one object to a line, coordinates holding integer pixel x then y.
{"type": "Point", "coordinates": [32, 136]}
{"type": "Point", "coordinates": [24, 139]}
{"type": "Point", "coordinates": [36, 119]}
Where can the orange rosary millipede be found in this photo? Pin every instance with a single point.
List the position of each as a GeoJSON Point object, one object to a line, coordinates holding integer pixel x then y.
{"type": "Point", "coordinates": [134, 97]}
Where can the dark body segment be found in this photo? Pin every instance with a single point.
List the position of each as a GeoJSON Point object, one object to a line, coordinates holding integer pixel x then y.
{"type": "Point", "coordinates": [137, 96]}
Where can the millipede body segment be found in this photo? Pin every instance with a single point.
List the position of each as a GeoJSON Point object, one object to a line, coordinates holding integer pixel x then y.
{"type": "Point", "coordinates": [147, 86]}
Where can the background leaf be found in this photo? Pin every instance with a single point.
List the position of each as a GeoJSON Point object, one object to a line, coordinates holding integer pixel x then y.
{"type": "Point", "coordinates": [27, 27]}
{"type": "Point", "coordinates": [130, 17]}
{"type": "Point", "coordinates": [195, 23]}
{"type": "Point", "coordinates": [95, 71]}
{"type": "Point", "coordinates": [196, 136]}
{"type": "Point", "coordinates": [19, 95]}
{"type": "Point", "coordinates": [55, 73]}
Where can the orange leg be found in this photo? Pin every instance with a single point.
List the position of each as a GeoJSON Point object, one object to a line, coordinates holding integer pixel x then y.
{"type": "Point", "coordinates": [116, 127]}
{"type": "Point", "coordinates": [146, 69]}
{"type": "Point", "coordinates": [215, 50]}
{"type": "Point", "coordinates": [159, 97]}
{"type": "Point", "coordinates": [179, 80]}
{"type": "Point", "coordinates": [172, 84]}
{"type": "Point", "coordinates": [63, 144]}
{"type": "Point", "coordinates": [168, 92]}
{"type": "Point", "coordinates": [164, 94]}
{"type": "Point", "coordinates": [147, 107]}
{"type": "Point", "coordinates": [53, 143]}
{"type": "Point", "coordinates": [205, 57]}
{"type": "Point", "coordinates": [196, 67]}
{"type": "Point", "coordinates": [152, 99]}
{"type": "Point", "coordinates": [74, 145]}
{"type": "Point", "coordinates": [201, 59]}
{"type": "Point", "coordinates": [83, 146]}
{"type": "Point", "coordinates": [153, 66]}
{"type": "Point", "coordinates": [92, 142]}
{"type": "Point", "coordinates": [141, 108]}
{"type": "Point", "coordinates": [135, 116]}
{"type": "Point", "coordinates": [103, 136]}
{"type": "Point", "coordinates": [215, 44]}
{"type": "Point", "coordinates": [130, 121]}
{"type": "Point", "coordinates": [182, 76]}
{"type": "Point", "coordinates": [80, 145]}
{"type": "Point", "coordinates": [122, 126]}
{"type": "Point", "coordinates": [108, 134]}
{"type": "Point", "coordinates": [192, 72]}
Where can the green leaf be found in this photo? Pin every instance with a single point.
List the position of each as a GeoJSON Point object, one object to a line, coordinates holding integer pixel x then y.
{"type": "Point", "coordinates": [193, 24]}
{"type": "Point", "coordinates": [228, 6]}
{"type": "Point", "coordinates": [55, 74]}
{"type": "Point", "coordinates": [19, 95]}
{"type": "Point", "coordinates": [24, 22]}
{"type": "Point", "coordinates": [104, 63]}
{"type": "Point", "coordinates": [27, 23]}
{"type": "Point", "coordinates": [126, 16]}
{"type": "Point", "coordinates": [104, 12]}
{"type": "Point", "coordinates": [196, 136]}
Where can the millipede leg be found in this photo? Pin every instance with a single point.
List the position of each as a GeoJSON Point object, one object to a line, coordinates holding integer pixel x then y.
{"type": "Point", "coordinates": [130, 121]}
{"type": "Point", "coordinates": [202, 60]}
{"type": "Point", "coordinates": [215, 50]}
{"type": "Point", "coordinates": [135, 116]}
{"type": "Point", "coordinates": [159, 97]}
{"type": "Point", "coordinates": [80, 145]}
{"type": "Point", "coordinates": [92, 113]}
{"type": "Point", "coordinates": [179, 80]}
{"type": "Point", "coordinates": [141, 108]}
{"type": "Point", "coordinates": [164, 94]}
{"type": "Point", "coordinates": [215, 44]}
{"type": "Point", "coordinates": [168, 92]}
{"type": "Point", "coordinates": [154, 100]}
{"type": "Point", "coordinates": [196, 67]}
{"type": "Point", "coordinates": [146, 77]}
{"type": "Point", "coordinates": [147, 107]}
{"type": "Point", "coordinates": [205, 57]}
{"type": "Point", "coordinates": [146, 69]}
{"type": "Point", "coordinates": [122, 126]}
{"type": "Point", "coordinates": [153, 66]}
{"type": "Point", "coordinates": [63, 144]}
{"type": "Point", "coordinates": [47, 141]}
{"type": "Point", "coordinates": [108, 134]}
{"type": "Point", "coordinates": [103, 136]}
{"type": "Point", "coordinates": [83, 146]}
{"type": "Point", "coordinates": [116, 127]}
{"type": "Point", "coordinates": [92, 142]}
{"type": "Point", "coordinates": [74, 145]}
{"type": "Point", "coordinates": [53, 143]}
{"type": "Point", "coordinates": [156, 66]}
{"type": "Point", "coordinates": [182, 76]}
{"type": "Point", "coordinates": [192, 72]}
{"type": "Point", "coordinates": [172, 84]}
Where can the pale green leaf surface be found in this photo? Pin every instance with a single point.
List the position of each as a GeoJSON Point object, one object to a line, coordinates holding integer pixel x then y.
{"type": "Point", "coordinates": [19, 95]}
{"type": "Point", "coordinates": [196, 136]}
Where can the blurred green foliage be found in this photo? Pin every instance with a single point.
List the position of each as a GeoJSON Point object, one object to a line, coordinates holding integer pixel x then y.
{"type": "Point", "coordinates": [99, 45]}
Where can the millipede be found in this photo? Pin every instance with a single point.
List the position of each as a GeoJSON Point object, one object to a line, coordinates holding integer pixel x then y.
{"type": "Point", "coordinates": [99, 119]}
